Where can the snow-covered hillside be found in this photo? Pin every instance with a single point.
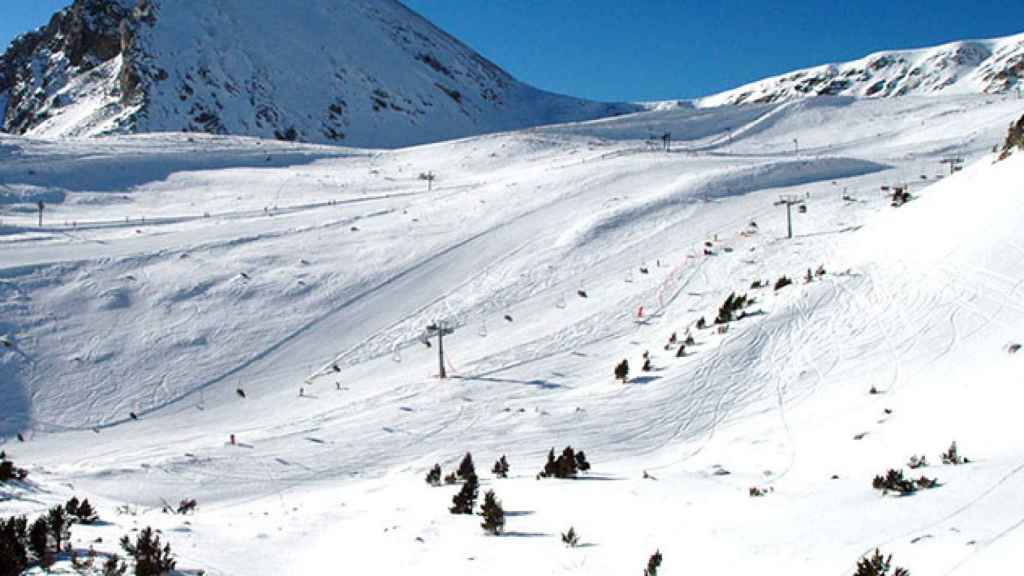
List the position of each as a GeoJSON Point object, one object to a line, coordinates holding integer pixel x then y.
{"type": "Point", "coordinates": [173, 270]}
{"type": "Point", "coordinates": [968, 67]}
{"type": "Point", "coordinates": [350, 72]}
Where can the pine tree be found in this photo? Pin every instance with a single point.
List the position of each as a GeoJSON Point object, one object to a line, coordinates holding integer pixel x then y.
{"type": "Point", "coordinates": [60, 526]}
{"type": "Point", "coordinates": [494, 515]}
{"type": "Point", "coordinates": [550, 467]}
{"type": "Point", "coordinates": [86, 514]}
{"type": "Point", "coordinates": [878, 565]}
{"type": "Point", "coordinates": [13, 537]}
{"type": "Point", "coordinates": [725, 311]}
{"type": "Point", "coordinates": [462, 503]}
{"type": "Point", "coordinates": [581, 461]}
{"type": "Point", "coordinates": [450, 478]}
{"type": "Point", "coordinates": [72, 506]}
{"type": "Point", "coordinates": [39, 540]}
{"type": "Point", "coordinates": [150, 558]}
{"type": "Point", "coordinates": [622, 370]}
{"type": "Point", "coordinates": [434, 476]}
{"type": "Point", "coordinates": [500, 468]}
{"type": "Point", "coordinates": [567, 463]}
{"type": "Point", "coordinates": [653, 563]}
{"type": "Point", "coordinates": [466, 469]}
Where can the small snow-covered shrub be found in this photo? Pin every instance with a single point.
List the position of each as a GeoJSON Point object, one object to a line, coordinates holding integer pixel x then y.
{"type": "Point", "coordinates": [434, 476]}
{"type": "Point", "coordinates": [570, 538]}
{"type": "Point", "coordinates": [953, 457]}
{"type": "Point", "coordinates": [114, 566]}
{"type": "Point", "coordinates": [894, 481]}
{"type": "Point", "coordinates": [187, 506]}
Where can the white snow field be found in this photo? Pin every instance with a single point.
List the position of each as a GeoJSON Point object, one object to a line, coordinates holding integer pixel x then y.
{"type": "Point", "coordinates": [172, 270]}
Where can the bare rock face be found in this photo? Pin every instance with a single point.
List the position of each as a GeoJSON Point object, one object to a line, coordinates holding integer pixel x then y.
{"type": "Point", "coordinates": [36, 65]}
{"type": "Point", "coordinates": [1014, 139]}
{"type": "Point", "coordinates": [355, 72]}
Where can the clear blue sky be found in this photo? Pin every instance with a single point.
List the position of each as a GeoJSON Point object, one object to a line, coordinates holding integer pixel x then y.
{"type": "Point", "coordinates": [663, 49]}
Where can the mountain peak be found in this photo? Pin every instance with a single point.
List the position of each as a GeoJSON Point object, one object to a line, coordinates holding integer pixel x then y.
{"type": "Point", "coordinates": [353, 72]}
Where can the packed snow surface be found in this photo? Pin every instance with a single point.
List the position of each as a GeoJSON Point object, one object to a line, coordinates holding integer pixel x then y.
{"type": "Point", "coordinates": [172, 271]}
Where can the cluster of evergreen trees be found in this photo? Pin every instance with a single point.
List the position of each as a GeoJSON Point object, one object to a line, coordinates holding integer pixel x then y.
{"type": "Point", "coordinates": [895, 481]}
{"type": "Point", "coordinates": [465, 471]}
{"type": "Point", "coordinates": [464, 501]}
{"type": "Point", "coordinates": [8, 471]}
{"type": "Point", "coordinates": [734, 303]}
{"type": "Point", "coordinates": [23, 544]}
{"type": "Point", "coordinates": [567, 465]}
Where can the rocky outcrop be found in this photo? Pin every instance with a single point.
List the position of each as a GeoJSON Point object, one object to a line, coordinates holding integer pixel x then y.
{"type": "Point", "coordinates": [1014, 139]}
{"type": "Point", "coordinates": [37, 65]}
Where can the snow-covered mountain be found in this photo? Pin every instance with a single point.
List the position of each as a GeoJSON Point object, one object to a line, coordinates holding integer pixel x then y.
{"type": "Point", "coordinates": [353, 72]}
{"type": "Point", "coordinates": [967, 67]}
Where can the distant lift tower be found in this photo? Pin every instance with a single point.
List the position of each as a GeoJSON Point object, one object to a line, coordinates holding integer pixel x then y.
{"type": "Point", "coordinates": [956, 164]}
{"type": "Point", "coordinates": [441, 329]}
{"type": "Point", "coordinates": [788, 201]}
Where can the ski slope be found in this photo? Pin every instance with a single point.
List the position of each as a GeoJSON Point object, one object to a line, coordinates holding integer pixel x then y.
{"type": "Point", "coordinates": [173, 270]}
